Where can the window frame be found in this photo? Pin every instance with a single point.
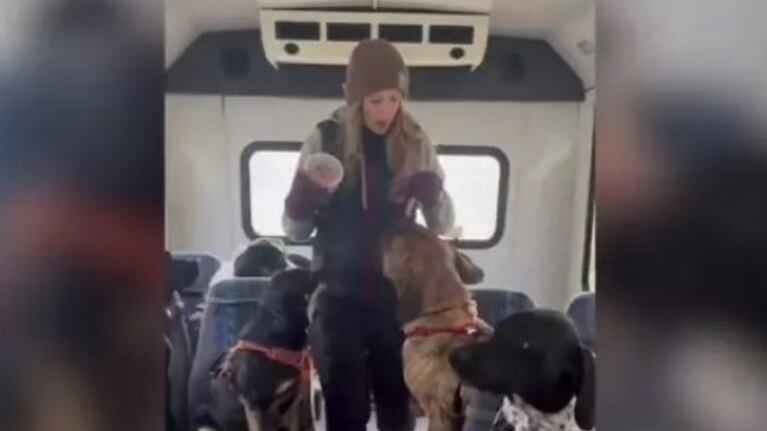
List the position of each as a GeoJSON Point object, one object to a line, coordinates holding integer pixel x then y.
{"type": "Point", "coordinates": [589, 242]}
{"type": "Point", "coordinates": [452, 150]}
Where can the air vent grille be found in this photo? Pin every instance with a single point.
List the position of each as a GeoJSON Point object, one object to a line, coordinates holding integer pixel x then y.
{"type": "Point", "coordinates": [328, 37]}
{"type": "Point", "coordinates": [401, 33]}
{"type": "Point", "coordinates": [286, 30]}
{"type": "Point", "coordinates": [343, 32]}
{"type": "Point", "coordinates": [451, 34]}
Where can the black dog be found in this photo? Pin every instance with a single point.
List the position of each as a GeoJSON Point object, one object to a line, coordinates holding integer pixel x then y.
{"type": "Point", "coordinates": [266, 371]}
{"type": "Point", "coordinates": [262, 258]}
{"type": "Point", "coordinates": [536, 361]}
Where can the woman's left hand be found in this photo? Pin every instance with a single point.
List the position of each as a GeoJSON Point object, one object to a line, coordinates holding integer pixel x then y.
{"type": "Point", "coordinates": [423, 186]}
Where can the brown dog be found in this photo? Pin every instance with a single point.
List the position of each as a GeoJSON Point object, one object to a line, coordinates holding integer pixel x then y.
{"type": "Point", "coordinates": [440, 316]}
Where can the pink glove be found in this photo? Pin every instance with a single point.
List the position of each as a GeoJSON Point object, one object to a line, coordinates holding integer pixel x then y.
{"type": "Point", "coordinates": [305, 197]}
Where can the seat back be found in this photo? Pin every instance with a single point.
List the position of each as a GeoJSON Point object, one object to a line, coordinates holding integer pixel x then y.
{"type": "Point", "coordinates": [194, 294]}
{"type": "Point", "coordinates": [495, 304]}
{"type": "Point", "coordinates": [228, 307]}
{"type": "Point", "coordinates": [583, 311]}
{"type": "Point", "coordinates": [179, 361]}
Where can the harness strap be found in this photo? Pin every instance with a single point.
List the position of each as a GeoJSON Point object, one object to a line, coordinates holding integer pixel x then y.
{"type": "Point", "coordinates": [426, 331]}
{"type": "Point", "coordinates": [469, 306]}
{"type": "Point", "coordinates": [298, 360]}
{"type": "Point", "coordinates": [465, 329]}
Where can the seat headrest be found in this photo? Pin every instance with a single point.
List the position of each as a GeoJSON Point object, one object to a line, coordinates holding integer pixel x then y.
{"type": "Point", "coordinates": [238, 290]}
{"type": "Point", "coordinates": [495, 304]}
{"type": "Point", "coordinates": [582, 310]}
{"type": "Point", "coordinates": [207, 266]}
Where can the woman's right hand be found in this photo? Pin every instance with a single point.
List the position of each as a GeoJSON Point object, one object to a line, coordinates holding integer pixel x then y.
{"type": "Point", "coordinates": [306, 196]}
{"type": "Point", "coordinates": [325, 170]}
{"type": "Point", "coordinates": [313, 185]}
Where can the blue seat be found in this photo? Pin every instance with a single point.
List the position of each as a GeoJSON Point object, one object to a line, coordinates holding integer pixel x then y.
{"type": "Point", "coordinates": [582, 310]}
{"type": "Point", "coordinates": [228, 306]}
{"type": "Point", "coordinates": [179, 364]}
{"type": "Point", "coordinates": [495, 304]}
{"type": "Point", "coordinates": [194, 294]}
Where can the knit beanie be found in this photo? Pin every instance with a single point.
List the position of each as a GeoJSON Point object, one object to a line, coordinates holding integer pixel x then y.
{"type": "Point", "coordinates": [374, 65]}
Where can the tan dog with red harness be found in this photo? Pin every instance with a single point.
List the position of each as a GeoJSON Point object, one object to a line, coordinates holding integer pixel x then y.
{"type": "Point", "coordinates": [440, 316]}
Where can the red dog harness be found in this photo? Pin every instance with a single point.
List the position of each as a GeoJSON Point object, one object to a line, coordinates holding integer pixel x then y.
{"type": "Point", "coordinates": [426, 331]}
{"type": "Point", "coordinates": [297, 360]}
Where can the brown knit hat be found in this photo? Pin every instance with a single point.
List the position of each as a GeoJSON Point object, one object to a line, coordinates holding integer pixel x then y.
{"type": "Point", "coordinates": [374, 65]}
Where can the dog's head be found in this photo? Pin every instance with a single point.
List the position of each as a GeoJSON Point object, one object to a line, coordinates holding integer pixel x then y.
{"type": "Point", "coordinates": [262, 258]}
{"type": "Point", "coordinates": [288, 299]}
{"type": "Point", "coordinates": [425, 269]}
{"type": "Point", "coordinates": [535, 354]}
{"type": "Point", "coordinates": [422, 268]}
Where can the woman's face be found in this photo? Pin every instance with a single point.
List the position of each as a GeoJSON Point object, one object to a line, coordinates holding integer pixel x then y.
{"type": "Point", "coordinates": [380, 109]}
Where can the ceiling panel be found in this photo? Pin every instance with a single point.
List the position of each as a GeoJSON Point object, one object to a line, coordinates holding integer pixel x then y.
{"type": "Point", "coordinates": [556, 21]}
{"type": "Point", "coordinates": [288, 4]}
{"type": "Point", "coordinates": [473, 6]}
{"type": "Point", "coordinates": [512, 17]}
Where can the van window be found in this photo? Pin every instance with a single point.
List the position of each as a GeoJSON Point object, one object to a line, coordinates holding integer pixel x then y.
{"type": "Point", "coordinates": [476, 179]}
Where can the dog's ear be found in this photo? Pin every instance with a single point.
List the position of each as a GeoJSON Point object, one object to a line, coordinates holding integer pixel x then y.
{"type": "Point", "coordinates": [318, 275]}
{"type": "Point", "coordinates": [469, 272]}
{"type": "Point", "coordinates": [586, 397]}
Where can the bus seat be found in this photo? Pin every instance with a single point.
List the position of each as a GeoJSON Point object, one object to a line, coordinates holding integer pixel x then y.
{"type": "Point", "coordinates": [582, 310]}
{"type": "Point", "coordinates": [228, 306]}
{"type": "Point", "coordinates": [495, 304]}
{"type": "Point", "coordinates": [194, 294]}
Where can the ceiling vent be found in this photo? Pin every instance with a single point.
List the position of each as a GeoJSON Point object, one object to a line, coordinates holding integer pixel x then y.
{"type": "Point", "coordinates": [328, 37]}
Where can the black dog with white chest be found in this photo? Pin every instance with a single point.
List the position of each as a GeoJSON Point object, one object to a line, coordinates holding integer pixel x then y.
{"type": "Point", "coordinates": [536, 362]}
{"type": "Point", "coordinates": [266, 372]}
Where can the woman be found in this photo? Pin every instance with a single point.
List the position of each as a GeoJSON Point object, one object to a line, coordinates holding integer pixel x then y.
{"type": "Point", "coordinates": [388, 163]}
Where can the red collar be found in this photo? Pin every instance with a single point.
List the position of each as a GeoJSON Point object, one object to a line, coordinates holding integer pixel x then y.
{"type": "Point", "coordinates": [295, 359]}
{"type": "Point", "coordinates": [426, 331]}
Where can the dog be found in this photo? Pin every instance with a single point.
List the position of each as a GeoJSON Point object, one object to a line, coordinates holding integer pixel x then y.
{"type": "Point", "coordinates": [262, 258]}
{"type": "Point", "coordinates": [266, 373]}
{"type": "Point", "coordinates": [439, 316]}
{"type": "Point", "coordinates": [536, 361]}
